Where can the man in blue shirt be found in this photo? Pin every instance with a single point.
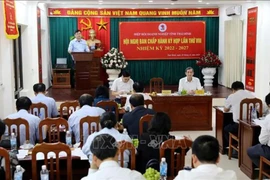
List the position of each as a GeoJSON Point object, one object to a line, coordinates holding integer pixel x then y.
{"type": "Point", "coordinates": [78, 44]}
{"type": "Point", "coordinates": [86, 109]}
{"type": "Point", "coordinates": [40, 97]}
{"type": "Point", "coordinates": [23, 105]}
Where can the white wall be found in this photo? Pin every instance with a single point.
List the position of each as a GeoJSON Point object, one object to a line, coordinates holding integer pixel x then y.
{"type": "Point", "coordinates": [263, 39]}
{"type": "Point", "coordinates": [45, 41]}
{"type": "Point", "coordinates": [26, 14]}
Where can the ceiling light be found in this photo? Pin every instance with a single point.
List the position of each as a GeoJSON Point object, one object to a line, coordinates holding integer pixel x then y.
{"type": "Point", "coordinates": [172, 3]}
{"type": "Point", "coordinates": [100, 1]}
{"type": "Point", "coordinates": [208, 3]}
{"type": "Point", "coordinates": [200, 1]}
{"type": "Point", "coordinates": [150, 1]}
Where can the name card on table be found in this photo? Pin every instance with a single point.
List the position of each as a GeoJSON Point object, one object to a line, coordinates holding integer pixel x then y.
{"type": "Point", "coordinates": [166, 92]}
{"type": "Point", "coordinates": [200, 92]}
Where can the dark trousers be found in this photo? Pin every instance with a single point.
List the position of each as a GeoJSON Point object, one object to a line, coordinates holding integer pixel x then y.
{"type": "Point", "coordinates": [256, 151]}
{"type": "Point", "coordinates": [230, 128]}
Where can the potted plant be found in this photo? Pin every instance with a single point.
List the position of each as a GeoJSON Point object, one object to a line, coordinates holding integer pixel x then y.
{"type": "Point", "coordinates": [208, 62]}
{"type": "Point", "coordinates": [113, 61]}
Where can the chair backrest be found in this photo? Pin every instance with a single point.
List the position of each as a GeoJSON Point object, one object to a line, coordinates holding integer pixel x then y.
{"type": "Point", "coordinates": [91, 128]}
{"type": "Point", "coordinates": [18, 122]}
{"type": "Point", "coordinates": [176, 163]}
{"type": "Point", "coordinates": [53, 165]}
{"type": "Point", "coordinates": [109, 106]}
{"type": "Point", "coordinates": [156, 85]}
{"type": "Point", "coordinates": [124, 145]}
{"type": "Point", "coordinates": [52, 128]}
{"type": "Point", "coordinates": [149, 104]}
{"type": "Point", "coordinates": [144, 119]}
{"type": "Point", "coordinates": [38, 109]}
{"type": "Point", "coordinates": [246, 106]}
{"type": "Point", "coordinates": [4, 154]}
{"type": "Point", "coordinates": [68, 107]}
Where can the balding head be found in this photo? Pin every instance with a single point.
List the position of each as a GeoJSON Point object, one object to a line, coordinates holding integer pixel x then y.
{"type": "Point", "coordinates": [86, 99]}
{"type": "Point", "coordinates": [136, 100]}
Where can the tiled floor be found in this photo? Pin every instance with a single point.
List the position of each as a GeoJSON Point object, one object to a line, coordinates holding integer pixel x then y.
{"type": "Point", "coordinates": [224, 163]}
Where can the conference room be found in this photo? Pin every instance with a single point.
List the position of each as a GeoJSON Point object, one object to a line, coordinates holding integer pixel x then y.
{"type": "Point", "coordinates": [74, 47]}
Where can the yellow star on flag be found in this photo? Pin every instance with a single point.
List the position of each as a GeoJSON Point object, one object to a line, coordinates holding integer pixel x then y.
{"type": "Point", "coordinates": [102, 25]}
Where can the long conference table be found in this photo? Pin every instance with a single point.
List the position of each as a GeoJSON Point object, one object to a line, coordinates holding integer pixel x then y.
{"type": "Point", "coordinates": [186, 112]}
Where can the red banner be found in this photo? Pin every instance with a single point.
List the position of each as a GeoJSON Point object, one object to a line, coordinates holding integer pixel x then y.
{"type": "Point", "coordinates": [162, 40]}
{"type": "Point", "coordinates": [86, 12]}
{"type": "Point", "coordinates": [10, 23]}
{"type": "Point", "coordinates": [251, 48]}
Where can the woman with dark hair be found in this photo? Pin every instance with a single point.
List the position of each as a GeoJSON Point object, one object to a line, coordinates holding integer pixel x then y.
{"type": "Point", "coordinates": [109, 125]}
{"type": "Point", "coordinates": [149, 143]}
{"type": "Point", "coordinates": [101, 94]}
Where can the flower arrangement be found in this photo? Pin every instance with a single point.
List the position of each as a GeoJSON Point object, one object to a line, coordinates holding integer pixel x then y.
{"type": "Point", "coordinates": [114, 60]}
{"type": "Point", "coordinates": [209, 59]}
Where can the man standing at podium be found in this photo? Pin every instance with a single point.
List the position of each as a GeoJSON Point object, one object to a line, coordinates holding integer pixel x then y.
{"type": "Point", "coordinates": [78, 44]}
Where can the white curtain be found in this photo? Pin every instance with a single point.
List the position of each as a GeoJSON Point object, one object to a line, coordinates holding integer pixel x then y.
{"type": "Point", "coordinates": [233, 46]}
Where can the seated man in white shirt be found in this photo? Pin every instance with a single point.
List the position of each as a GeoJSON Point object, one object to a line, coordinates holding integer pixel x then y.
{"type": "Point", "coordinates": [104, 165]}
{"type": "Point", "coordinates": [262, 149]}
{"type": "Point", "coordinates": [40, 97]}
{"type": "Point", "coordinates": [86, 109]}
{"type": "Point", "coordinates": [205, 156]}
{"type": "Point", "coordinates": [233, 103]}
{"type": "Point", "coordinates": [138, 88]}
{"type": "Point", "coordinates": [122, 85]}
{"type": "Point", "coordinates": [189, 83]}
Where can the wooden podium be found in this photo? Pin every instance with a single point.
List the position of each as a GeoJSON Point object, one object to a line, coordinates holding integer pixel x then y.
{"type": "Point", "coordinates": [87, 65]}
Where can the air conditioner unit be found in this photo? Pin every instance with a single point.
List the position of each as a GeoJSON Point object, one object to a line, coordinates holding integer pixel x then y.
{"type": "Point", "coordinates": [234, 10]}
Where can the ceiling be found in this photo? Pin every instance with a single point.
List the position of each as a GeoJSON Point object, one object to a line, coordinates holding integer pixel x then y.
{"type": "Point", "coordinates": [141, 3]}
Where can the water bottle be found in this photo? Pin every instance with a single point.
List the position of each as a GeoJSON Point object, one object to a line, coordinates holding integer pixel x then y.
{"type": "Point", "coordinates": [253, 113]}
{"type": "Point", "coordinates": [68, 139]}
{"type": "Point", "coordinates": [18, 173]}
{"type": "Point", "coordinates": [163, 169]}
{"type": "Point", "coordinates": [44, 173]}
{"type": "Point", "coordinates": [13, 143]}
{"type": "Point", "coordinates": [125, 131]}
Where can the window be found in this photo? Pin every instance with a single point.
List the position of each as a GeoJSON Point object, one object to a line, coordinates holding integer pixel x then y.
{"type": "Point", "coordinates": [17, 61]}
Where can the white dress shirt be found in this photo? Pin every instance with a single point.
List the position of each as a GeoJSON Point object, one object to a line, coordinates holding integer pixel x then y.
{"type": "Point", "coordinates": [206, 172]}
{"type": "Point", "coordinates": [233, 102]}
{"type": "Point", "coordinates": [74, 120]}
{"type": "Point", "coordinates": [110, 170]}
{"type": "Point", "coordinates": [50, 103]}
{"type": "Point", "coordinates": [113, 132]}
{"type": "Point", "coordinates": [78, 46]}
{"type": "Point", "coordinates": [264, 137]}
{"type": "Point", "coordinates": [119, 85]}
{"type": "Point", "coordinates": [33, 125]}
{"type": "Point", "coordinates": [128, 106]}
{"type": "Point", "coordinates": [194, 84]}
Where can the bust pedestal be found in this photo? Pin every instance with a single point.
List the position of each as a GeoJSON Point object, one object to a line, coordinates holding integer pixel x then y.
{"type": "Point", "coordinates": [113, 74]}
